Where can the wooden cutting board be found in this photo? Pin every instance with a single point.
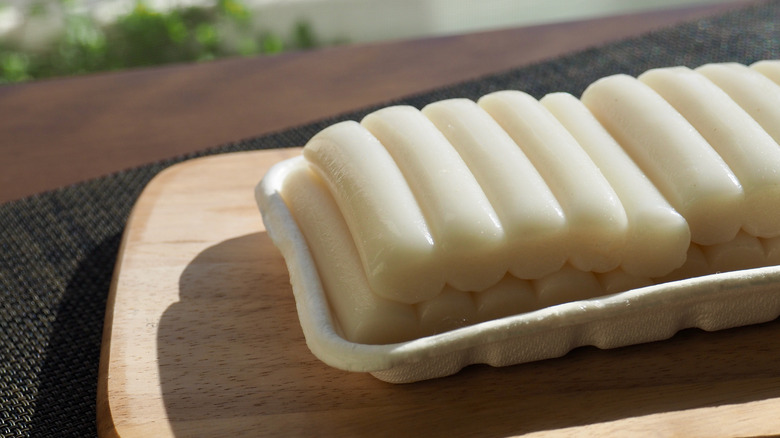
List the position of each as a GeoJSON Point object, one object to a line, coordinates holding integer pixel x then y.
{"type": "Point", "coordinates": [202, 339]}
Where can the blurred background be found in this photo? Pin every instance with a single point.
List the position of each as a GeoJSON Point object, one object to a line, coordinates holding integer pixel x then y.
{"type": "Point", "coordinates": [49, 38]}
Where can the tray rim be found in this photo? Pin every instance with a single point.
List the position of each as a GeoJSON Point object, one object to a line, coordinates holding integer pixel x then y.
{"type": "Point", "coordinates": [706, 302]}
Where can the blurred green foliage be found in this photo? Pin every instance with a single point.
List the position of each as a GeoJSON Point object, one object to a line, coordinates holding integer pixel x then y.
{"type": "Point", "coordinates": [145, 37]}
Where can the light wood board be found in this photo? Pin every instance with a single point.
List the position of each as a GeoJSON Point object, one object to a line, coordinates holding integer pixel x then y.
{"type": "Point", "coordinates": [202, 339]}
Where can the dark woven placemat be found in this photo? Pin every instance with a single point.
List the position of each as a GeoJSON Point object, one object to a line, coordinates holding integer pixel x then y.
{"type": "Point", "coordinates": [57, 250]}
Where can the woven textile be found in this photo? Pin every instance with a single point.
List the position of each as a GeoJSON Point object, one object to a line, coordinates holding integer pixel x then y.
{"type": "Point", "coordinates": [58, 249]}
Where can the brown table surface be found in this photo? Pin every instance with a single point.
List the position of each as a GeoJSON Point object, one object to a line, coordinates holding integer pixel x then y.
{"type": "Point", "coordinates": [62, 131]}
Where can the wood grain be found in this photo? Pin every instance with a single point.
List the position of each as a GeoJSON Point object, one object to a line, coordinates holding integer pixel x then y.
{"type": "Point", "coordinates": [202, 339]}
{"type": "Point", "coordinates": [62, 131]}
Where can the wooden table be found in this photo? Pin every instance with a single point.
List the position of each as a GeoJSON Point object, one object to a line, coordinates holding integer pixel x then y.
{"type": "Point", "coordinates": [58, 132]}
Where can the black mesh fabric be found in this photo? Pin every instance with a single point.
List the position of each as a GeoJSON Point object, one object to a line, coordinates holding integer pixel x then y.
{"type": "Point", "coordinates": [58, 249]}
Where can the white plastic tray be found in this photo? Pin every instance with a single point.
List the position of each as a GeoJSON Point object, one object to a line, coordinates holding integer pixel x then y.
{"type": "Point", "coordinates": [713, 302]}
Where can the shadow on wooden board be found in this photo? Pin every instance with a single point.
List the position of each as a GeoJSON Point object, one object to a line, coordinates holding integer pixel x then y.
{"type": "Point", "coordinates": [233, 361]}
